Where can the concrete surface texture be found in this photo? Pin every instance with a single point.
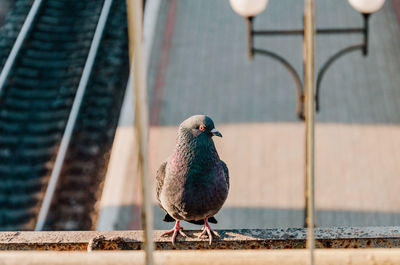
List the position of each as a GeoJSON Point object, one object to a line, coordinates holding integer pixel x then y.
{"type": "Point", "coordinates": [199, 64]}
{"type": "Point", "coordinates": [278, 238]}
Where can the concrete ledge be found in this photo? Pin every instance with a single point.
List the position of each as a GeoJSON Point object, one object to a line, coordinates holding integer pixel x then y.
{"type": "Point", "coordinates": [352, 237]}
{"type": "Point", "coordinates": [193, 257]}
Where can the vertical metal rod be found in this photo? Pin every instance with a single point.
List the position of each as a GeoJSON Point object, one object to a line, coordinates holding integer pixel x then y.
{"type": "Point", "coordinates": [309, 82]}
{"type": "Point", "coordinates": [366, 31]}
{"type": "Point", "coordinates": [18, 42]}
{"type": "Point", "coordinates": [250, 36]}
{"type": "Point", "coordinates": [73, 115]}
{"type": "Point", "coordinates": [135, 19]}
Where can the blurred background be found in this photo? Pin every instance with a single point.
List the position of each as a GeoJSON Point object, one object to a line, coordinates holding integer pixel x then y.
{"type": "Point", "coordinates": [197, 63]}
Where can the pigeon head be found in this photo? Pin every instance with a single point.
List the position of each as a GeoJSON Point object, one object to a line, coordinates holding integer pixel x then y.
{"type": "Point", "coordinates": [200, 125]}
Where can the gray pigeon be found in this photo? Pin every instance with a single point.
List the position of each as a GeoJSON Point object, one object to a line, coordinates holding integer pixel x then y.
{"type": "Point", "coordinates": [193, 183]}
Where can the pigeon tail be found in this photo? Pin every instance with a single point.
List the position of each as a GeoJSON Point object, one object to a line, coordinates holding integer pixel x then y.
{"type": "Point", "coordinates": [169, 219]}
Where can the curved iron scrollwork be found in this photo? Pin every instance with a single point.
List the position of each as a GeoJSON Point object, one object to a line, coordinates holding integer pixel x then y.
{"type": "Point", "coordinates": [300, 91]}
{"type": "Point", "coordinates": [294, 74]}
{"type": "Point", "coordinates": [328, 63]}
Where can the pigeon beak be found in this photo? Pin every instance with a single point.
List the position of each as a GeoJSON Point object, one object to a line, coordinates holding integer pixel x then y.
{"type": "Point", "coordinates": [215, 132]}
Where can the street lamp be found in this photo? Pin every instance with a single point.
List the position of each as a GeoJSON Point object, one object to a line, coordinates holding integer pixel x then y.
{"type": "Point", "coordinates": [250, 8]}
{"type": "Point", "coordinates": [247, 8]}
{"type": "Point", "coordinates": [366, 6]}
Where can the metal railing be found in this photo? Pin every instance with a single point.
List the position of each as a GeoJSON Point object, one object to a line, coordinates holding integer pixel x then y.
{"type": "Point", "coordinates": [137, 63]}
{"type": "Point", "coordinates": [18, 43]}
{"type": "Point", "coordinates": [309, 87]}
{"type": "Point", "coordinates": [46, 203]}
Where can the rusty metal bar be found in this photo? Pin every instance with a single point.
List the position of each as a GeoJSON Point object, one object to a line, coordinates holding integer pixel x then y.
{"type": "Point", "coordinates": [117, 178]}
{"type": "Point", "coordinates": [289, 238]}
{"type": "Point", "coordinates": [135, 20]}
{"type": "Point", "coordinates": [309, 86]}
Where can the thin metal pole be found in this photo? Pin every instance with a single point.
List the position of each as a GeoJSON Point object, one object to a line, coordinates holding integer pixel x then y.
{"type": "Point", "coordinates": [87, 70]}
{"type": "Point", "coordinates": [18, 42]}
{"type": "Point", "coordinates": [309, 84]}
{"type": "Point", "coordinates": [366, 31]}
{"type": "Point", "coordinates": [135, 19]}
{"type": "Point", "coordinates": [250, 36]}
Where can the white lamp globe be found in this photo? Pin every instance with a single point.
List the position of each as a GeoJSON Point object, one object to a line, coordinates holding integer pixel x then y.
{"type": "Point", "coordinates": [366, 6]}
{"type": "Point", "coordinates": [248, 8]}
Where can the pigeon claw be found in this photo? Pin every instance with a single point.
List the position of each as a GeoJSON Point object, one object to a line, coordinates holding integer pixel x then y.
{"type": "Point", "coordinates": [174, 231]}
{"type": "Point", "coordinates": [207, 231]}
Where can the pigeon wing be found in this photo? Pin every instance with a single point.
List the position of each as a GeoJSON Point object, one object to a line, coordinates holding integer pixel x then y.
{"type": "Point", "coordinates": [160, 181]}
{"type": "Point", "coordinates": [226, 171]}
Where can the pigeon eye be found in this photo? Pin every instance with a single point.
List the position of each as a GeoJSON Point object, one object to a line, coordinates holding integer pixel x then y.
{"type": "Point", "coordinates": [202, 128]}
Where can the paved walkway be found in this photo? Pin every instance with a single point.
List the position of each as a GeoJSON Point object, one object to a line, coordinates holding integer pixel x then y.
{"type": "Point", "coordinates": [199, 65]}
{"type": "Point", "coordinates": [253, 104]}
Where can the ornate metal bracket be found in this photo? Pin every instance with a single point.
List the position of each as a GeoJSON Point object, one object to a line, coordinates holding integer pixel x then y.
{"type": "Point", "coordinates": [295, 75]}
{"type": "Point", "coordinates": [300, 91]}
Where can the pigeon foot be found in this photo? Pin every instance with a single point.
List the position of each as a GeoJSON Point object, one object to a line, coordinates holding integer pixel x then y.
{"type": "Point", "coordinates": [174, 231]}
{"type": "Point", "coordinates": [208, 231]}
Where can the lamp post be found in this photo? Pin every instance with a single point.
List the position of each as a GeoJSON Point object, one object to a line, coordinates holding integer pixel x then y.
{"type": "Point", "coordinates": [308, 100]}
{"type": "Point", "coordinates": [251, 8]}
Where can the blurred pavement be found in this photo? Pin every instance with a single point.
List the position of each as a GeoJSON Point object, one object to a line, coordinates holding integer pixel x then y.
{"type": "Point", "coordinates": [199, 64]}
